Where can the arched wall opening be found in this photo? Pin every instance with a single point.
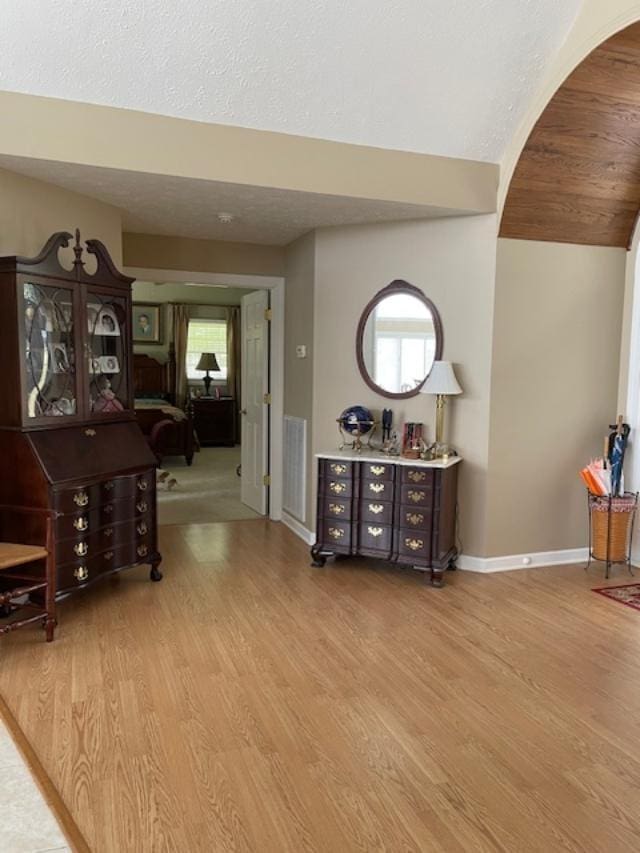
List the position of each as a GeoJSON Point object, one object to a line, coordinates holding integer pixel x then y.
{"type": "Point", "coordinates": [562, 283]}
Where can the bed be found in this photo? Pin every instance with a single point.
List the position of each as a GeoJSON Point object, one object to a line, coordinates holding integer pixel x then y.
{"type": "Point", "coordinates": [155, 402]}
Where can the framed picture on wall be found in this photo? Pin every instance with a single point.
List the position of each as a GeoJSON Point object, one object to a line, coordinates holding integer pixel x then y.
{"type": "Point", "coordinates": [147, 323]}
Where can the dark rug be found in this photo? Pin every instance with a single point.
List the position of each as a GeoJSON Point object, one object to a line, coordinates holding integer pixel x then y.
{"type": "Point", "coordinates": [628, 594]}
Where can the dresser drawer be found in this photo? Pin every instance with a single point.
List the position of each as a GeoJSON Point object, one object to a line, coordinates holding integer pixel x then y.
{"type": "Point", "coordinates": [80, 497]}
{"type": "Point", "coordinates": [376, 471]}
{"type": "Point", "coordinates": [416, 496]}
{"type": "Point", "coordinates": [419, 518]}
{"type": "Point", "coordinates": [418, 476]}
{"type": "Point", "coordinates": [336, 488]}
{"type": "Point", "coordinates": [336, 508]}
{"type": "Point", "coordinates": [335, 534]}
{"type": "Point", "coordinates": [375, 538]}
{"type": "Point", "coordinates": [375, 511]}
{"type": "Point", "coordinates": [331, 469]}
{"type": "Point", "coordinates": [415, 545]}
{"type": "Point", "coordinates": [380, 490]}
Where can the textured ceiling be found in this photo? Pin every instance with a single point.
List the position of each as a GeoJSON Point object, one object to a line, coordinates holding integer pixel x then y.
{"type": "Point", "coordinates": [183, 207]}
{"type": "Point", "coordinates": [441, 77]}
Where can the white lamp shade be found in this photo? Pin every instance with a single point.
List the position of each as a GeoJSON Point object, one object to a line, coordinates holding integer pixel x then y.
{"type": "Point", "coordinates": [441, 380]}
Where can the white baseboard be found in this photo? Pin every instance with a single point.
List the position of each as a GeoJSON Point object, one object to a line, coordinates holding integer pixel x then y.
{"type": "Point", "coordinates": [485, 565]}
{"type": "Point", "coordinates": [298, 528]}
{"type": "Point", "coordinates": [522, 561]}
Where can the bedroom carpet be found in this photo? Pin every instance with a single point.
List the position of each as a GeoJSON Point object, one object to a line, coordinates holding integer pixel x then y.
{"type": "Point", "coordinates": [208, 490]}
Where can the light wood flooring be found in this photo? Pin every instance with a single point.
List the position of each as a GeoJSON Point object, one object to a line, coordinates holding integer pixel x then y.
{"type": "Point", "coordinates": [252, 703]}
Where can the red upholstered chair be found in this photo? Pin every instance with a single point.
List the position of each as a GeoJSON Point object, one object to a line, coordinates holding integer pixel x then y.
{"type": "Point", "coordinates": [158, 438]}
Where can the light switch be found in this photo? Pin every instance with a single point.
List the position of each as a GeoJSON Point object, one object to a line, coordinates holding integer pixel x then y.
{"type": "Point", "coordinates": [301, 351]}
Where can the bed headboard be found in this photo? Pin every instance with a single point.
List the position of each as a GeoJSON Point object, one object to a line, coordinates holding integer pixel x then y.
{"type": "Point", "coordinates": [152, 378]}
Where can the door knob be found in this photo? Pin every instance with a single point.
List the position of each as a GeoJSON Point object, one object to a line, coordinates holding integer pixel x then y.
{"type": "Point", "coordinates": [243, 411]}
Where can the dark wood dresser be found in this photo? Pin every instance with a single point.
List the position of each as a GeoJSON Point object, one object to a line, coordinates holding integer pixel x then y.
{"type": "Point", "coordinates": [214, 420]}
{"type": "Point", "coordinates": [387, 507]}
{"type": "Point", "coordinates": [69, 442]}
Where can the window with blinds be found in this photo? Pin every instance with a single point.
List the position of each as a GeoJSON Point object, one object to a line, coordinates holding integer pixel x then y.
{"type": "Point", "coordinates": [207, 336]}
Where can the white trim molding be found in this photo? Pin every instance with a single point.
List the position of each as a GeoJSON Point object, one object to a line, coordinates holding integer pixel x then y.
{"type": "Point", "coordinates": [522, 561]}
{"type": "Point", "coordinates": [298, 528]}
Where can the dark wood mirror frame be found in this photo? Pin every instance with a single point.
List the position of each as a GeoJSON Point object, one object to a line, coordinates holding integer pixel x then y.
{"type": "Point", "coordinates": [396, 286]}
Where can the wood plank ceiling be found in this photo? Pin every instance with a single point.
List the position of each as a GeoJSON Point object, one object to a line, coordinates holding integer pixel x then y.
{"type": "Point", "coordinates": [578, 177]}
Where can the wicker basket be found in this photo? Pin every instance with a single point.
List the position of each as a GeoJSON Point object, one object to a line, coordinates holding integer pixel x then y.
{"type": "Point", "coordinates": [619, 526]}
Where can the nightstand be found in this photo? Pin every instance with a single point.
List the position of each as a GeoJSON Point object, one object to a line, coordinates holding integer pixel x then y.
{"type": "Point", "coordinates": [215, 420]}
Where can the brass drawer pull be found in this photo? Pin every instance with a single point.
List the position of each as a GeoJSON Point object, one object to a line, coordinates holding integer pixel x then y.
{"type": "Point", "coordinates": [108, 555]}
{"type": "Point", "coordinates": [81, 573]}
{"type": "Point", "coordinates": [143, 485]}
{"type": "Point", "coordinates": [80, 549]}
{"type": "Point", "coordinates": [414, 544]}
{"type": "Point", "coordinates": [89, 432]}
{"type": "Point", "coordinates": [109, 485]}
{"type": "Point", "coordinates": [417, 476]}
{"type": "Point", "coordinates": [336, 533]}
{"type": "Point", "coordinates": [378, 470]}
{"type": "Point", "coordinates": [338, 469]}
{"type": "Point", "coordinates": [336, 509]}
{"type": "Point", "coordinates": [376, 509]}
{"type": "Point", "coordinates": [81, 498]}
{"type": "Point", "coordinates": [415, 518]}
{"type": "Point", "coordinates": [416, 497]}
{"type": "Point", "coordinates": [141, 506]}
{"type": "Point", "coordinates": [375, 531]}
{"type": "Point", "coordinates": [142, 528]}
{"type": "Point", "coordinates": [108, 532]}
{"type": "Point", "coordinates": [377, 488]}
{"type": "Point", "coordinates": [142, 550]}
{"type": "Point", "coordinates": [338, 488]}
{"type": "Point", "coordinates": [81, 523]}
{"type": "Point", "coordinates": [108, 508]}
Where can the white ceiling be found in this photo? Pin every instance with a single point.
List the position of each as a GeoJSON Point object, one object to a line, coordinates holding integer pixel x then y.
{"type": "Point", "coordinates": [448, 77]}
{"type": "Point", "coordinates": [184, 207]}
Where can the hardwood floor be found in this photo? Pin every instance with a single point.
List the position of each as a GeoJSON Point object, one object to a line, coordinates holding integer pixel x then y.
{"type": "Point", "coordinates": [251, 703]}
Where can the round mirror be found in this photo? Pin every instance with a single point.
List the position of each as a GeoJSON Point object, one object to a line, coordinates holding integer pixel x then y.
{"type": "Point", "coordinates": [399, 337]}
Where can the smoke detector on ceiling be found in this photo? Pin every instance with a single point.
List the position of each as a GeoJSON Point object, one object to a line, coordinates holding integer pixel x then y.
{"type": "Point", "coordinates": [226, 217]}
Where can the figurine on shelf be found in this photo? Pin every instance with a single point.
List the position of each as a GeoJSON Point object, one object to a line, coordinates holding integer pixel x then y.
{"type": "Point", "coordinates": [413, 443]}
{"type": "Point", "coordinates": [106, 400]}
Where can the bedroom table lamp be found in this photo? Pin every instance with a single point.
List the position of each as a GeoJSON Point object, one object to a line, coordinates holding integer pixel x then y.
{"type": "Point", "coordinates": [442, 382]}
{"type": "Point", "coordinates": [208, 361]}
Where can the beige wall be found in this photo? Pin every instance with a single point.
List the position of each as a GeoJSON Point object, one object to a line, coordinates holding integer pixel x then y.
{"type": "Point", "coordinates": [151, 251]}
{"type": "Point", "coordinates": [557, 331]}
{"type": "Point", "coordinates": [453, 261]}
{"type": "Point", "coordinates": [299, 321]}
{"type": "Point", "coordinates": [31, 211]}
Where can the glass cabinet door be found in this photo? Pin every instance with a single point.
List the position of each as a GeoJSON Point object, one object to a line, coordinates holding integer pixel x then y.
{"type": "Point", "coordinates": [107, 344]}
{"type": "Point", "coordinates": [50, 358]}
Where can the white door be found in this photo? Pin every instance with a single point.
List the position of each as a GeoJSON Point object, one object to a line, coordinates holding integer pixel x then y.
{"type": "Point", "coordinates": [254, 406]}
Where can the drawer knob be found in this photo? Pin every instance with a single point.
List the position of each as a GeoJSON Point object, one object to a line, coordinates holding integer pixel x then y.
{"type": "Point", "coordinates": [376, 509]}
{"type": "Point", "coordinates": [108, 486]}
{"type": "Point", "coordinates": [415, 518]}
{"type": "Point", "coordinates": [335, 509]}
{"type": "Point", "coordinates": [417, 476]}
{"type": "Point", "coordinates": [108, 555]}
{"type": "Point", "coordinates": [376, 488]}
{"type": "Point", "coordinates": [81, 498]}
{"type": "Point", "coordinates": [80, 549]}
{"type": "Point", "coordinates": [416, 497]}
{"type": "Point", "coordinates": [108, 508]}
{"type": "Point", "coordinates": [338, 488]}
{"type": "Point", "coordinates": [89, 432]}
{"type": "Point", "coordinates": [414, 544]}
{"type": "Point", "coordinates": [81, 573]}
{"type": "Point", "coordinates": [142, 550]}
{"type": "Point", "coordinates": [338, 469]}
{"type": "Point", "coordinates": [81, 523]}
{"type": "Point", "coordinates": [375, 531]}
{"type": "Point", "coordinates": [377, 470]}
{"type": "Point", "coordinates": [141, 506]}
{"type": "Point", "coordinates": [143, 485]}
{"type": "Point", "coordinates": [108, 532]}
{"type": "Point", "coordinates": [336, 533]}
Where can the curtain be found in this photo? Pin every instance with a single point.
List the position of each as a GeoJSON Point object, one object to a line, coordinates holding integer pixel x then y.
{"type": "Point", "coordinates": [180, 332]}
{"type": "Point", "coordinates": [234, 347]}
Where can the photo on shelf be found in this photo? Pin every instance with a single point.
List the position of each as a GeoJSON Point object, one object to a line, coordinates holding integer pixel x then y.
{"type": "Point", "coordinates": [101, 320]}
{"type": "Point", "coordinates": [59, 357]}
{"type": "Point", "coordinates": [108, 364]}
{"type": "Point", "coordinates": [65, 320]}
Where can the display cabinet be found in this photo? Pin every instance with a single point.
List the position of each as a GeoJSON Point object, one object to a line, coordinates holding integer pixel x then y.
{"type": "Point", "coordinates": [68, 437]}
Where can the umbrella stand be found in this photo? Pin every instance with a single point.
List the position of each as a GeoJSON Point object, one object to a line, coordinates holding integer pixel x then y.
{"type": "Point", "coordinates": [611, 529]}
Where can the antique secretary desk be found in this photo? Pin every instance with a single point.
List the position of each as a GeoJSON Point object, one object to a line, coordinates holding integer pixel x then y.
{"type": "Point", "coordinates": [69, 442]}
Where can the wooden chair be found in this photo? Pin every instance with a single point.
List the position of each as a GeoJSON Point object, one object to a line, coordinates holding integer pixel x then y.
{"type": "Point", "coordinates": [17, 562]}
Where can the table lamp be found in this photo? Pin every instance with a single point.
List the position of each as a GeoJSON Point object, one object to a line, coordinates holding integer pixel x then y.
{"type": "Point", "coordinates": [208, 361]}
{"type": "Point", "coordinates": [441, 382]}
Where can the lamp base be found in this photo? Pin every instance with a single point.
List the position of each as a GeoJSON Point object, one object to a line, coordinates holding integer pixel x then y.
{"type": "Point", "coordinates": [207, 384]}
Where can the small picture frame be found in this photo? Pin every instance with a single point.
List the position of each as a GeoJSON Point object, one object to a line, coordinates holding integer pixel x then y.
{"type": "Point", "coordinates": [147, 323]}
{"type": "Point", "coordinates": [102, 320]}
{"type": "Point", "coordinates": [108, 364]}
{"type": "Point", "coordinates": [59, 357]}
